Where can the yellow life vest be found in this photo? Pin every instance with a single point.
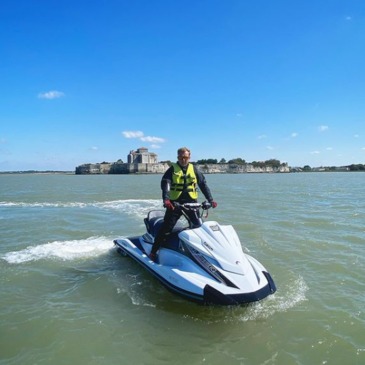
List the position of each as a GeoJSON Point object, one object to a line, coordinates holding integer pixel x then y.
{"type": "Point", "coordinates": [183, 182]}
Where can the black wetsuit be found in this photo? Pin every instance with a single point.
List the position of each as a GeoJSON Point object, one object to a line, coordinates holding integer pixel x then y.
{"type": "Point", "coordinates": [172, 216]}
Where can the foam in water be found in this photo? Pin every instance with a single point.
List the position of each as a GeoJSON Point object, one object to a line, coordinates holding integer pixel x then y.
{"type": "Point", "coordinates": [69, 250]}
{"type": "Point", "coordinates": [62, 250]}
{"type": "Point", "coordinates": [281, 301]}
{"type": "Point", "coordinates": [138, 207]}
{"type": "Point", "coordinates": [124, 205]}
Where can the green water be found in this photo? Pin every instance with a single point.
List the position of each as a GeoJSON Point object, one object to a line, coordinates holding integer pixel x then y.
{"type": "Point", "coordinates": [68, 297]}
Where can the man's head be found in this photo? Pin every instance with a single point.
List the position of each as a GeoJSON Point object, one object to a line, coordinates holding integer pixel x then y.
{"type": "Point", "coordinates": [183, 156]}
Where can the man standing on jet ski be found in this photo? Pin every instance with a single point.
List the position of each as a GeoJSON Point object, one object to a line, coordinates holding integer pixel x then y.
{"type": "Point", "coordinates": [179, 184]}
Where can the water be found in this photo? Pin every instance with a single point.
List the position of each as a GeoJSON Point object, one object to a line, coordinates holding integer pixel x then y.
{"type": "Point", "coordinates": [68, 297]}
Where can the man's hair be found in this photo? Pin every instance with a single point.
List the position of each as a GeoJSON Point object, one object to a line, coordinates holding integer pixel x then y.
{"type": "Point", "coordinates": [181, 150]}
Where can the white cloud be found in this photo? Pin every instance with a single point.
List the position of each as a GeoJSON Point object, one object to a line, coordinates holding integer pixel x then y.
{"type": "Point", "coordinates": [94, 148]}
{"type": "Point", "coordinates": [348, 18]}
{"type": "Point", "coordinates": [323, 128]}
{"type": "Point", "coordinates": [269, 148]}
{"type": "Point", "coordinates": [140, 135]}
{"type": "Point", "coordinates": [315, 153]}
{"type": "Point", "coordinates": [294, 134]}
{"type": "Point", "coordinates": [356, 136]}
{"type": "Point", "coordinates": [329, 148]}
{"type": "Point", "coordinates": [53, 94]}
{"type": "Point", "coordinates": [132, 134]}
{"type": "Point", "coordinates": [262, 136]}
{"type": "Point", "coordinates": [152, 139]}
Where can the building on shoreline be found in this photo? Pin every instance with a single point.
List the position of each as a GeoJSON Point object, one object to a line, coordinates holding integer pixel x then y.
{"type": "Point", "coordinates": [139, 162]}
{"type": "Point", "coordinates": [142, 156]}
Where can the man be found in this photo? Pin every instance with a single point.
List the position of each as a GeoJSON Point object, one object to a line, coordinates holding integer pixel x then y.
{"type": "Point", "coordinates": [179, 184]}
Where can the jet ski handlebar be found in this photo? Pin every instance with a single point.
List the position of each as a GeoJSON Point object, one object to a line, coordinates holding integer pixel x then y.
{"type": "Point", "coordinates": [193, 206]}
{"type": "Point", "coordinates": [197, 209]}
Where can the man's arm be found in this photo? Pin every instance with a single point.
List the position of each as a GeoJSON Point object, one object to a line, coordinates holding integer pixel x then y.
{"type": "Point", "coordinates": [202, 183]}
{"type": "Point", "coordinates": [166, 184]}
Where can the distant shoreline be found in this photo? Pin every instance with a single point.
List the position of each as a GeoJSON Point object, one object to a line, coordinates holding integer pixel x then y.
{"type": "Point", "coordinates": [37, 172]}
{"type": "Point", "coordinates": [146, 173]}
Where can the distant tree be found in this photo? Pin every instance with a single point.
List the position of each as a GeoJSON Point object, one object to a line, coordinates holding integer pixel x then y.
{"type": "Point", "coordinates": [357, 167]}
{"type": "Point", "coordinates": [238, 161]}
{"type": "Point", "coordinates": [258, 163]}
{"type": "Point", "coordinates": [223, 160]}
{"type": "Point", "coordinates": [273, 163]}
{"type": "Point", "coordinates": [307, 168]}
{"type": "Point", "coordinates": [167, 161]}
{"type": "Point", "coordinates": [209, 161]}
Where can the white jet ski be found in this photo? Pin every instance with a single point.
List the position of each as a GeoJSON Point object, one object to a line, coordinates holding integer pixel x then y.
{"type": "Point", "coordinates": [205, 264]}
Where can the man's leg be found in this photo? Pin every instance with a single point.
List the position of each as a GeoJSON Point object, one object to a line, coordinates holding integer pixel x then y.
{"type": "Point", "coordinates": [170, 219]}
{"type": "Point", "coordinates": [195, 221]}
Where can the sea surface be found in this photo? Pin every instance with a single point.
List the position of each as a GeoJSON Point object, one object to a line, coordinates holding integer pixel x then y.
{"type": "Point", "coordinates": [67, 296]}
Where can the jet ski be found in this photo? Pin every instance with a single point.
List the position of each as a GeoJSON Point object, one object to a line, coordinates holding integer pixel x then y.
{"type": "Point", "coordinates": [202, 262]}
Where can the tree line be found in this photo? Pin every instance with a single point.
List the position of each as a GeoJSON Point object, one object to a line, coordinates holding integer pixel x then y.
{"type": "Point", "coordinates": [353, 167]}
{"type": "Point", "coordinates": [241, 161]}
{"type": "Point", "coordinates": [236, 161]}
{"type": "Point", "coordinates": [357, 167]}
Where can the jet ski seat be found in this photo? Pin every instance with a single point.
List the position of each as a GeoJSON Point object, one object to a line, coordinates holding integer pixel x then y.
{"type": "Point", "coordinates": [154, 221]}
{"type": "Point", "coordinates": [153, 217]}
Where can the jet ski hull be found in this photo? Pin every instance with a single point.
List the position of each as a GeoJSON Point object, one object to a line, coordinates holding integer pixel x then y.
{"type": "Point", "coordinates": [182, 274]}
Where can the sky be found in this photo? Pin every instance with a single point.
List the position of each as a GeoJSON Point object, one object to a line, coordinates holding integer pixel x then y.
{"type": "Point", "coordinates": [89, 81]}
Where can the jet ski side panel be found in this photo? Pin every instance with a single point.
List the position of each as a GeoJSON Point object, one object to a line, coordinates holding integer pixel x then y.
{"type": "Point", "coordinates": [182, 276]}
{"type": "Point", "coordinates": [165, 274]}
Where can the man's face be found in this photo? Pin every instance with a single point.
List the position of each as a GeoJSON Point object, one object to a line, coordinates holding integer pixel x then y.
{"type": "Point", "coordinates": [184, 158]}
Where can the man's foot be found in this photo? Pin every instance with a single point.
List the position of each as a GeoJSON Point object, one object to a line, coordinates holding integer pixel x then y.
{"type": "Point", "coordinates": [153, 257]}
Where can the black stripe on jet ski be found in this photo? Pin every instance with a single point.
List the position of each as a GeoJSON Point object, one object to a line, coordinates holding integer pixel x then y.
{"type": "Point", "coordinates": [199, 258]}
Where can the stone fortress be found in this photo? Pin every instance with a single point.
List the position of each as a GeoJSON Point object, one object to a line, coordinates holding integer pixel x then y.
{"type": "Point", "coordinates": [143, 162]}
{"type": "Point", "coordinates": [139, 162]}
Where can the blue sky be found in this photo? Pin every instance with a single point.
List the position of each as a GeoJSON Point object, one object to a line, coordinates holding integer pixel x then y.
{"type": "Point", "coordinates": [88, 81]}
